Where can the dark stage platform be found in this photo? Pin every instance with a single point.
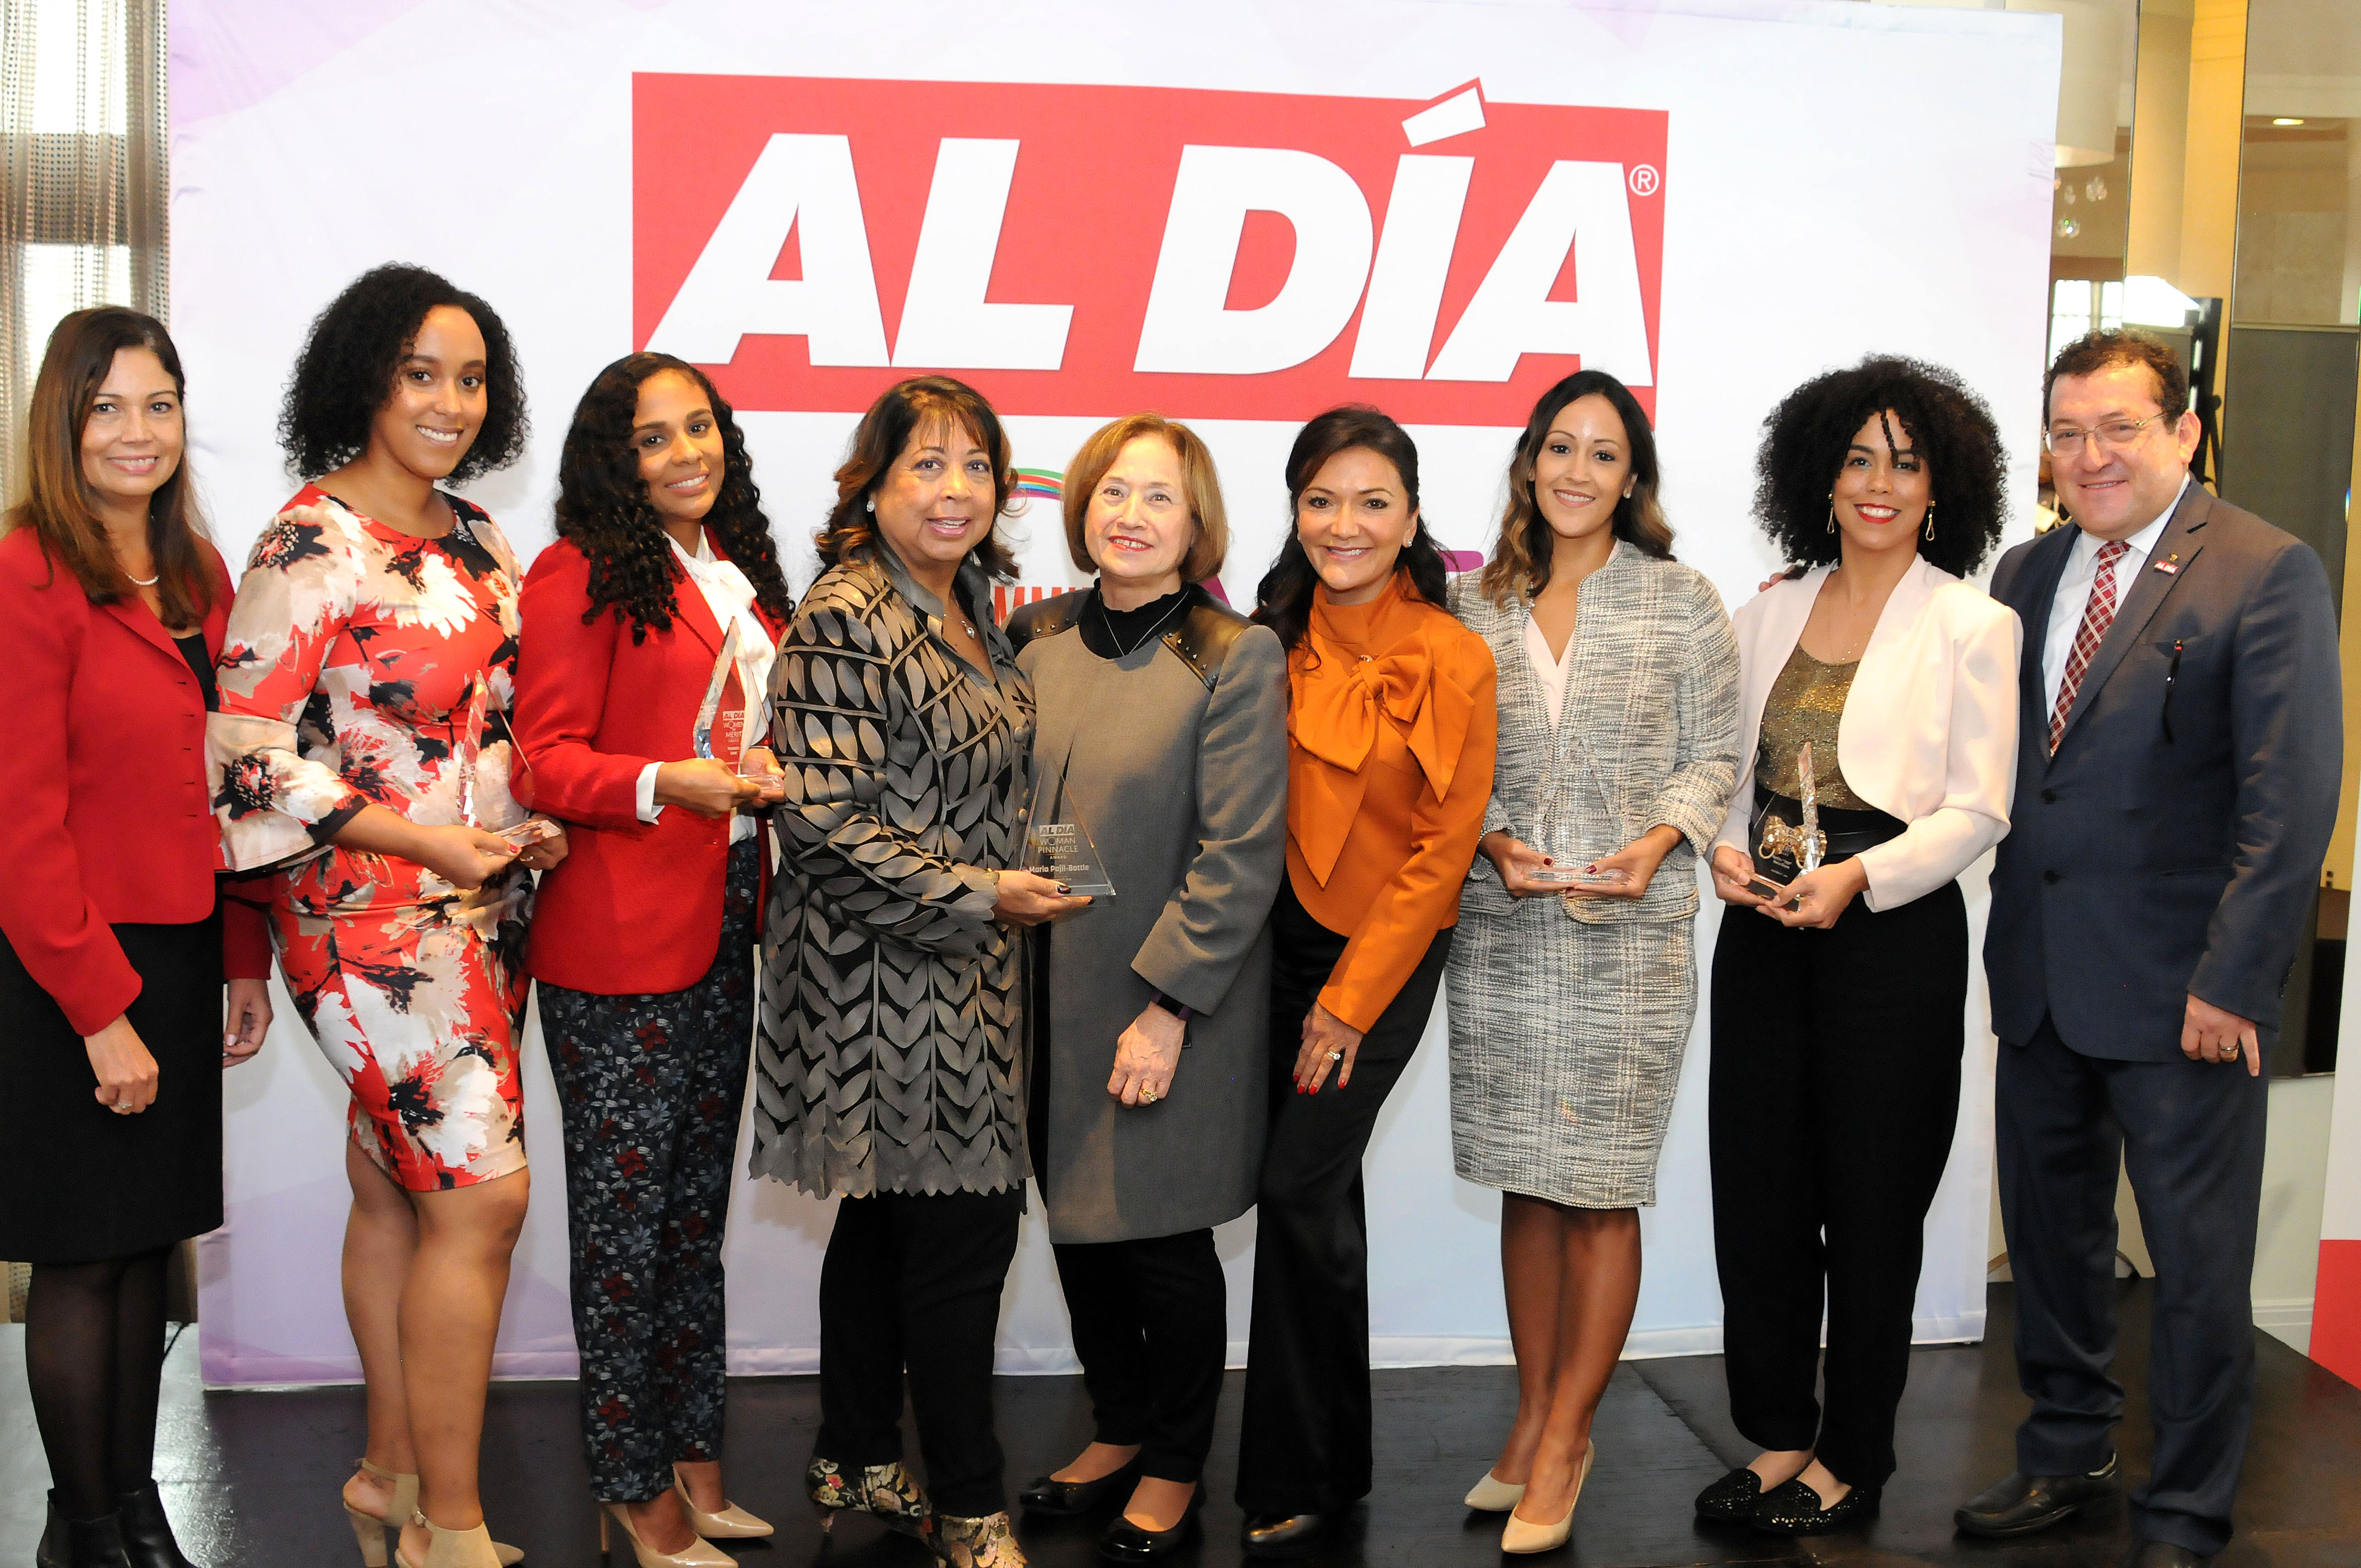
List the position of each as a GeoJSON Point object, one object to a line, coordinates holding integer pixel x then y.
{"type": "Point", "coordinates": [252, 1477]}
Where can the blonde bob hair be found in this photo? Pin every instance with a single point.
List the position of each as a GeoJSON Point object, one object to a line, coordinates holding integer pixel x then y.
{"type": "Point", "coordinates": [1198, 481]}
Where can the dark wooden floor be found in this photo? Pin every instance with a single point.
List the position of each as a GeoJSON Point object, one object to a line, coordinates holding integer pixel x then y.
{"type": "Point", "coordinates": [252, 1476]}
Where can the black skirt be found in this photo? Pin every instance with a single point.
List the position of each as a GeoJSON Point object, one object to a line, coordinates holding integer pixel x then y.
{"type": "Point", "coordinates": [78, 1183]}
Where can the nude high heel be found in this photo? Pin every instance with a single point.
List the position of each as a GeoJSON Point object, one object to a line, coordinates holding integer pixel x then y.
{"type": "Point", "coordinates": [451, 1548]}
{"type": "Point", "coordinates": [1493, 1495]}
{"type": "Point", "coordinates": [369, 1529]}
{"type": "Point", "coordinates": [698, 1553]}
{"type": "Point", "coordinates": [732, 1523]}
{"type": "Point", "coordinates": [1521, 1536]}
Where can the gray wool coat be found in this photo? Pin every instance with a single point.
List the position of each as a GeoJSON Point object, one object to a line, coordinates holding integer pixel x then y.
{"type": "Point", "coordinates": [1175, 758]}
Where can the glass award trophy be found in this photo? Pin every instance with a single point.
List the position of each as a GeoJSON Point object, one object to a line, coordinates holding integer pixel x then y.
{"type": "Point", "coordinates": [1057, 846]}
{"type": "Point", "coordinates": [1784, 850]}
{"type": "Point", "coordinates": [721, 718]}
{"type": "Point", "coordinates": [467, 748]}
{"type": "Point", "coordinates": [1564, 871]}
{"type": "Point", "coordinates": [728, 725]}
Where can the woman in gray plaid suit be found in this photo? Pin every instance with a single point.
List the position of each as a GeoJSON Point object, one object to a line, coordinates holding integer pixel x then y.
{"type": "Point", "coordinates": [1574, 980]}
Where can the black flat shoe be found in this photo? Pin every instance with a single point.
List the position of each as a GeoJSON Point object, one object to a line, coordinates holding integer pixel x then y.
{"type": "Point", "coordinates": [1063, 1499]}
{"type": "Point", "coordinates": [1732, 1499]}
{"type": "Point", "coordinates": [1288, 1535]}
{"type": "Point", "coordinates": [2024, 1504]}
{"type": "Point", "coordinates": [1795, 1510]}
{"type": "Point", "coordinates": [1127, 1543]}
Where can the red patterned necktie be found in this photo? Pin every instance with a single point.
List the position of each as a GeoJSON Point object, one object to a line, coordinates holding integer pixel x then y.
{"type": "Point", "coordinates": [2098, 614]}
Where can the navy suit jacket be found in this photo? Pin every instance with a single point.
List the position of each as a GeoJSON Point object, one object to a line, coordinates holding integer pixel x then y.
{"type": "Point", "coordinates": [2173, 844]}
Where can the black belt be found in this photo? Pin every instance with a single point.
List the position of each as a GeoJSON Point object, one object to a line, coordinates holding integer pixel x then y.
{"type": "Point", "coordinates": [1848, 832]}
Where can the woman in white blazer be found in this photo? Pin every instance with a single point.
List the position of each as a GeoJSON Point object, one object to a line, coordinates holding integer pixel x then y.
{"type": "Point", "coordinates": [1838, 1001]}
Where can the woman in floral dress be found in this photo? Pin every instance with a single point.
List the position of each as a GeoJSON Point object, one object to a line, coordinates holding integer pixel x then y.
{"type": "Point", "coordinates": [362, 747]}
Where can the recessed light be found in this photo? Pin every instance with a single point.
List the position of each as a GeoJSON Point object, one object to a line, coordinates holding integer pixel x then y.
{"type": "Point", "coordinates": [2284, 120]}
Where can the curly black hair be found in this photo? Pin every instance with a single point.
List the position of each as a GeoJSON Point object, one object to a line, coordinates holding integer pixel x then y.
{"type": "Point", "coordinates": [346, 373]}
{"type": "Point", "coordinates": [602, 503]}
{"type": "Point", "coordinates": [1805, 439]}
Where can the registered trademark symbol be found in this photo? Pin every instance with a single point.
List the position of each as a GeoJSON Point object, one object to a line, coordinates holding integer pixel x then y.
{"type": "Point", "coordinates": [1645, 181]}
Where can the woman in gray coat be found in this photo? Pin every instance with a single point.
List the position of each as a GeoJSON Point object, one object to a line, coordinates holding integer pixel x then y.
{"type": "Point", "coordinates": [1574, 980]}
{"type": "Point", "coordinates": [1162, 731]}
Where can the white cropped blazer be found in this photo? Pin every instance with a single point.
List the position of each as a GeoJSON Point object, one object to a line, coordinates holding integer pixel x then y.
{"type": "Point", "coordinates": [1928, 733]}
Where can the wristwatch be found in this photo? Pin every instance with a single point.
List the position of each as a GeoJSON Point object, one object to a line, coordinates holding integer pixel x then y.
{"type": "Point", "coordinates": [1180, 1010]}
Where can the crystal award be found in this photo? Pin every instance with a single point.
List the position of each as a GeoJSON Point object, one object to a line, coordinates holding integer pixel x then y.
{"type": "Point", "coordinates": [1058, 845]}
{"type": "Point", "coordinates": [721, 718]}
{"type": "Point", "coordinates": [1784, 850]}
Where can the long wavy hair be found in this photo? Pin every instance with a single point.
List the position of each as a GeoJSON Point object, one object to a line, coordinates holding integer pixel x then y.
{"type": "Point", "coordinates": [1520, 560]}
{"type": "Point", "coordinates": [59, 504]}
{"type": "Point", "coordinates": [920, 403]}
{"type": "Point", "coordinates": [603, 506]}
{"type": "Point", "coordinates": [1283, 598]}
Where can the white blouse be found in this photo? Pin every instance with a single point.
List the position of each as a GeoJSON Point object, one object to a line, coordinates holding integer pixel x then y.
{"type": "Point", "coordinates": [1551, 673]}
{"type": "Point", "coordinates": [729, 597]}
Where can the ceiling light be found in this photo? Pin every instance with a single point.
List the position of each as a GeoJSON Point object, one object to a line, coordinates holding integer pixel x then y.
{"type": "Point", "coordinates": [2283, 120]}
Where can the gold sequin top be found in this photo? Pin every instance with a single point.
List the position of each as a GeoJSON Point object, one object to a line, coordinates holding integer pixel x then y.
{"type": "Point", "coordinates": [1806, 704]}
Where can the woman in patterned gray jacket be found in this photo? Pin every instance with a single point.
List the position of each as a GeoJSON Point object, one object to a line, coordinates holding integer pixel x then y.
{"type": "Point", "coordinates": [890, 1061]}
{"type": "Point", "coordinates": [1574, 981]}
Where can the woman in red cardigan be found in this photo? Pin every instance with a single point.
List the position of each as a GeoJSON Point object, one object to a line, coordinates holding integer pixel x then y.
{"type": "Point", "coordinates": [111, 608]}
{"type": "Point", "coordinates": [649, 630]}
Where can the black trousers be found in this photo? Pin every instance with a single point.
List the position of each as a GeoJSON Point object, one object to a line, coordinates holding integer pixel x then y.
{"type": "Point", "coordinates": [1151, 1325]}
{"type": "Point", "coordinates": [1305, 1443]}
{"type": "Point", "coordinates": [1834, 1090]}
{"type": "Point", "coordinates": [2190, 1134]}
{"type": "Point", "coordinates": [913, 1280]}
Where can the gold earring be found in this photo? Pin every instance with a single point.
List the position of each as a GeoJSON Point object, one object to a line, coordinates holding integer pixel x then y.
{"type": "Point", "coordinates": [1931, 520]}
{"type": "Point", "coordinates": [1832, 511]}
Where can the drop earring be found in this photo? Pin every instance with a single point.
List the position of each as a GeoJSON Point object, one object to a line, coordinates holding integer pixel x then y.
{"type": "Point", "coordinates": [1832, 511]}
{"type": "Point", "coordinates": [871, 505]}
{"type": "Point", "coordinates": [1930, 520]}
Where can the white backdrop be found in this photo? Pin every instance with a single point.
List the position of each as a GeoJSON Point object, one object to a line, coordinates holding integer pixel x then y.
{"type": "Point", "coordinates": [1836, 178]}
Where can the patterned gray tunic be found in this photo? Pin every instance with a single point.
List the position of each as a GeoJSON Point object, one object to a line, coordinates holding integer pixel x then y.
{"type": "Point", "coordinates": [889, 1057]}
{"type": "Point", "coordinates": [1568, 1019]}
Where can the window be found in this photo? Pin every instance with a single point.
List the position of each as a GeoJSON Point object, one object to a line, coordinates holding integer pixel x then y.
{"type": "Point", "coordinates": [82, 157]}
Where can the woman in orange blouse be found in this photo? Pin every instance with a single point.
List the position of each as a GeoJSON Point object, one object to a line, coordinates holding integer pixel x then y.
{"type": "Point", "coordinates": [1389, 768]}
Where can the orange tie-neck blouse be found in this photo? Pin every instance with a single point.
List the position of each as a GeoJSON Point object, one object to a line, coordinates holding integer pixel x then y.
{"type": "Point", "coordinates": [1391, 729]}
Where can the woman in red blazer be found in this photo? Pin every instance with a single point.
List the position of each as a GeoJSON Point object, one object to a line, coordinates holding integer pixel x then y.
{"type": "Point", "coordinates": [111, 608]}
{"type": "Point", "coordinates": [636, 729]}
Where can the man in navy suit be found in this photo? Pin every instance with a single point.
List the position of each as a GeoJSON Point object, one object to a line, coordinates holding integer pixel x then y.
{"type": "Point", "coordinates": [2176, 780]}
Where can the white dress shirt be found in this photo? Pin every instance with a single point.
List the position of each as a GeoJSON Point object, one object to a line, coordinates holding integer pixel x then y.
{"type": "Point", "coordinates": [729, 596]}
{"type": "Point", "coordinates": [2074, 593]}
{"type": "Point", "coordinates": [1551, 673]}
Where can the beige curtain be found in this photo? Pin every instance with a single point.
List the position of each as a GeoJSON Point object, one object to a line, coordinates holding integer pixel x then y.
{"type": "Point", "coordinates": [83, 191]}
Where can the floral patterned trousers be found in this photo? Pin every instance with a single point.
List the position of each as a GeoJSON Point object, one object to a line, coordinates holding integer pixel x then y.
{"type": "Point", "coordinates": [651, 1087]}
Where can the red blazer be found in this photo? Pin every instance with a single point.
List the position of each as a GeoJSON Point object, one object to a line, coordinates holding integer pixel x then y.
{"type": "Point", "coordinates": [636, 907]}
{"type": "Point", "coordinates": [107, 819]}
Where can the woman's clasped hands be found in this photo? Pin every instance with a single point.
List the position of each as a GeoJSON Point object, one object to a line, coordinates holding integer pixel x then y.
{"type": "Point", "coordinates": [1815, 899]}
{"type": "Point", "coordinates": [1632, 867]}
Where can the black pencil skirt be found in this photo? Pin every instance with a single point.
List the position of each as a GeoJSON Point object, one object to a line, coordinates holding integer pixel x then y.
{"type": "Point", "coordinates": [79, 1183]}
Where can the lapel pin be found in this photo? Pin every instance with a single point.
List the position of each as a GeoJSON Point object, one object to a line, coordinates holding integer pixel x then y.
{"type": "Point", "coordinates": [2170, 564]}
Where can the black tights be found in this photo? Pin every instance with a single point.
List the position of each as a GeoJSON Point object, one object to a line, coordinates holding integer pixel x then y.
{"type": "Point", "coordinates": [94, 1357]}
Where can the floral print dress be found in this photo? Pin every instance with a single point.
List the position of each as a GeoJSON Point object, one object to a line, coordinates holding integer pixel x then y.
{"type": "Point", "coordinates": [348, 678]}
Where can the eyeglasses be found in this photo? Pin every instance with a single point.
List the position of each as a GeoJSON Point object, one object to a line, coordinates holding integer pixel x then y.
{"type": "Point", "coordinates": [2065, 441]}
